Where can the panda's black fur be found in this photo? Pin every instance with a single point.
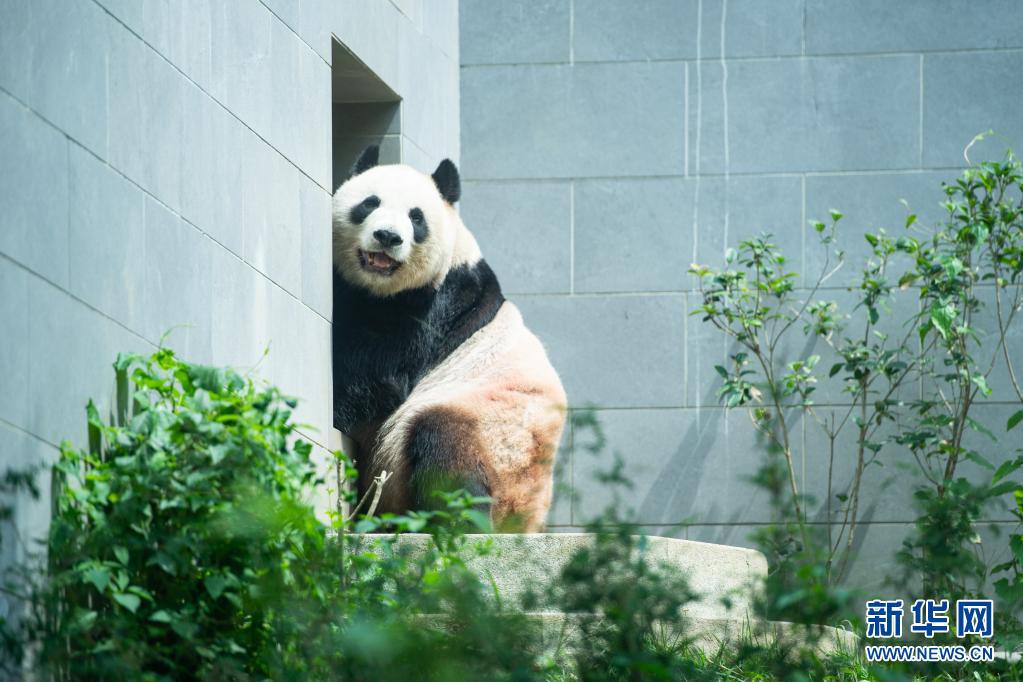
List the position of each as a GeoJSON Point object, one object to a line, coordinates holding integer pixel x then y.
{"type": "Point", "coordinates": [384, 346]}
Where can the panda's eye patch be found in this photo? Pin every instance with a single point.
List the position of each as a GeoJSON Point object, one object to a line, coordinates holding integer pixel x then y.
{"type": "Point", "coordinates": [419, 226]}
{"type": "Point", "coordinates": [362, 210]}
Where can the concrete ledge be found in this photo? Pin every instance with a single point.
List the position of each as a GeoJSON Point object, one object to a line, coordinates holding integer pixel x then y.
{"type": "Point", "coordinates": [520, 563]}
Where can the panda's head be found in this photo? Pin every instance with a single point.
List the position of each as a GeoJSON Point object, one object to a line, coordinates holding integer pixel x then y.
{"type": "Point", "coordinates": [396, 228]}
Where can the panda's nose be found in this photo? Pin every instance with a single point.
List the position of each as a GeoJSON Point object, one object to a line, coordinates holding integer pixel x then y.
{"type": "Point", "coordinates": [387, 238]}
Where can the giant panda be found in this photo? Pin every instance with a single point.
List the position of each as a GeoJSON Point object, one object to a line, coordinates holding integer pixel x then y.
{"type": "Point", "coordinates": [436, 377]}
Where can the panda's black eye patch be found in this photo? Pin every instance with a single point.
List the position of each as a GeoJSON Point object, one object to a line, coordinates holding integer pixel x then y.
{"type": "Point", "coordinates": [419, 227]}
{"type": "Point", "coordinates": [362, 210]}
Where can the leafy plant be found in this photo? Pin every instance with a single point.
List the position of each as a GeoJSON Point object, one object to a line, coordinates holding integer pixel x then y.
{"type": "Point", "coordinates": [952, 273]}
{"type": "Point", "coordinates": [181, 547]}
{"type": "Point", "coordinates": [970, 265]}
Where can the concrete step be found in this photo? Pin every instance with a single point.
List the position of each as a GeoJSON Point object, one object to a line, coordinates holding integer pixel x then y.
{"type": "Point", "coordinates": [520, 563]}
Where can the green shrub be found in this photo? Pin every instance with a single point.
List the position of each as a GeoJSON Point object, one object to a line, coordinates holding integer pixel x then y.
{"type": "Point", "coordinates": [181, 547]}
{"type": "Point", "coordinates": [909, 388]}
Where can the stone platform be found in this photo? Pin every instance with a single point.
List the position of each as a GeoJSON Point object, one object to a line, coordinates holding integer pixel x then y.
{"type": "Point", "coordinates": [723, 577]}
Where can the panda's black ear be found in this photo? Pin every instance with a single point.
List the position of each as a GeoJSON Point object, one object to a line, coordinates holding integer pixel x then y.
{"type": "Point", "coordinates": [447, 181]}
{"type": "Point", "coordinates": [369, 157]}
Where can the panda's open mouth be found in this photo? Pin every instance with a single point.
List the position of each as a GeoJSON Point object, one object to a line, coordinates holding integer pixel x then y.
{"type": "Point", "coordinates": [378, 262]}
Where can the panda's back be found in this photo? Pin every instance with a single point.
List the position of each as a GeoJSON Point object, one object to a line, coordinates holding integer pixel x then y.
{"type": "Point", "coordinates": [499, 380]}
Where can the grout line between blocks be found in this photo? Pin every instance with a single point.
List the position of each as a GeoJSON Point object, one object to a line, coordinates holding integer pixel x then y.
{"type": "Point", "coordinates": [913, 170]}
{"type": "Point", "coordinates": [571, 478]}
{"type": "Point", "coordinates": [294, 30]}
{"type": "Point", "coordinates": [571, 238]}
{"type": "Point", "coordinates": [920, 123]}
{"type": "Point", "coordinates": [756, 58]}
{"type": "Point", "coordinates": [802, 223]}
{"type": "Point", "coordinates": [571, 32]}
{"type": "Point", "coordinates": [802, 33]}
{"type": "Point", "coordinates": [685, 350]}
{"type": "Point", "coordinates": [685, 123]}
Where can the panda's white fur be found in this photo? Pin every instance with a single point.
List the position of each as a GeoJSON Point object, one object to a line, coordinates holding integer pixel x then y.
{"type": "Point", "coordinates": [436, 376]}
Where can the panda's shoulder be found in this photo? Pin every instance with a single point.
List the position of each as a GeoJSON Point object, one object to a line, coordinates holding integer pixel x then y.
{"type": "Point", "coordinates": [468, 299]}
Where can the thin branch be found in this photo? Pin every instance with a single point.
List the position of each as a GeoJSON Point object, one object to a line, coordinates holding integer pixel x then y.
{"type": "Point", "coordinates": [821, 278]}
{"type": "Point", "coordinates": [376, 488]}
{"type": "Point", "coordinates": [380, 481]}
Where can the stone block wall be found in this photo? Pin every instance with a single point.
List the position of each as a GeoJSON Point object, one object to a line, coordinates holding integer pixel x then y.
{"type": "Point", "coordinates": [607, 145]}
{"type": "Point", "coordinates": [167, 165]}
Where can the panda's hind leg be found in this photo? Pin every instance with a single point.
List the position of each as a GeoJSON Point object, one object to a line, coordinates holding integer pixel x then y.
{"type": "Point", "coordinates": [444, 450]}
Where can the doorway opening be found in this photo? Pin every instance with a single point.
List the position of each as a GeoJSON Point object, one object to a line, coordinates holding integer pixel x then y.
{"type": "Point", "coordinates": [365, 111]}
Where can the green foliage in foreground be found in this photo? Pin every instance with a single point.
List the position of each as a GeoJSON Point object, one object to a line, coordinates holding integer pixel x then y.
{"type": "Point", "coordinates": [182, 548]}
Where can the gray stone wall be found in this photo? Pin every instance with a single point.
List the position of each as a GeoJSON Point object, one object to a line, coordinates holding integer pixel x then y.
{"type": "Point", "coordinates": [169, 163]}
{"type": "Point", "coordinates": [607, 145]}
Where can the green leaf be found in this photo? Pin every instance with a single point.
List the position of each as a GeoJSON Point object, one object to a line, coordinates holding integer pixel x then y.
{"type": "Point", "coordinates": [95, 426]}
{"type": "Point", "coordinates": [1007, 468]}
{"type": "Point", "coordinates": [128, 601]}
{"type": "Point", "coordinates": [416, 524]}
{"type": "Point", "coordinates": [980, 428]}
{"type": "Point", "coordinates": [161, 616]}
{"type": "Point", "coordinates": [184, 628]}
{"type": "Point", "coordinates": [836, 368]}
{"type": "Point", "coordinates": [836, 215]}
{"type": "Point", "coordinates": [1004, 566]}
{"type": "Point", "coordinates": [722, 371]}
{"type": "Point", "coordinates": [1014, 420]}
{"type": "Point", "coordinates": [365, 526]}
{"type": "Point", "coordinates": [218, 452]}
{"type": "Point", "coordinates": [981, 383]}
{"type": "Point", "coordinates": [943, 317]}
{"type": "Point", "coordinates": [977, 458]}
{"type": "Point", "coordinates": [122, 391]}
{"type": "Point", "coordinates": [121, 553]}
{"type": "Point", "coordinates": [215, 585]}
{"type": "Point", "coordinates": [478, 519]}
{"type": "Point", "coordinates": [1016, 545]}
{"type": "Point", "coordinates": [85, 618]}
{"type": "Point", "coordinates": [164, 561]}
{"type": "Point", "coordinates": [99, 576]}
